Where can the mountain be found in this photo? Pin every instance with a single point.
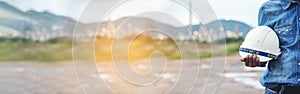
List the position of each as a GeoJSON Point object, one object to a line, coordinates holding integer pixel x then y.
{"type": "Point", "coordinates": [8, 11]}
{"type": "Point", "coordinates": [35, 25]}
{"type": "Point", "coordinates": [135, 25]}
{"type": "Point", "coordinates": [130, 25]}
{"type": "Point", "coordinates": [45, 25]}
{"type": "Point", "coordinates": [236, 27]}
{"type": "Point", "coordinates": [229, 26]}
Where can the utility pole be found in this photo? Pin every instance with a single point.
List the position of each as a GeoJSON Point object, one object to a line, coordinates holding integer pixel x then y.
{"type": "Point", "coordinates": [190, 16]}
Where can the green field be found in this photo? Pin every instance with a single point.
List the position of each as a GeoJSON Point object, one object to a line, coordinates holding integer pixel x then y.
{"type": "Point", "coordinates": [230, 48]}
{"type": "Point", "coordinates": [61, 49]}
{"type": "Point", "coordinates": [28, 50]}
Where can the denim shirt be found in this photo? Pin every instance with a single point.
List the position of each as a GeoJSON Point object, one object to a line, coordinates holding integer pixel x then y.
{"type": "Point", "coordinates": [283, 17]}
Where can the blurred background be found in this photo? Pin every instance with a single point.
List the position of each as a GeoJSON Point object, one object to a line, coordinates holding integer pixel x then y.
{"type": "Point", "coordinates": [42, 42]}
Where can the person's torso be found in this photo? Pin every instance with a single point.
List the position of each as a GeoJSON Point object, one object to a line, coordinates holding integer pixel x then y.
{"type": "Point", "coordinates": [284, 18]}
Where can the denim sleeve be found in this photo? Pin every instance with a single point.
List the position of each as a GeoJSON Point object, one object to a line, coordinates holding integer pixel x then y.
{"type": "Point", "coordinates": [263, 20]}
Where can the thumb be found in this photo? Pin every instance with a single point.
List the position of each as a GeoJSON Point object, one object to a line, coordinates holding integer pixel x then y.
{"type": "Point", "coordinates": [243, 59]}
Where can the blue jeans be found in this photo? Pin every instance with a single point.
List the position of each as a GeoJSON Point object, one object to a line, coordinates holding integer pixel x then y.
{"type": "Point", "coordinates": [283, 90]}
{"type": "Point", "coordinates": [270, 91]}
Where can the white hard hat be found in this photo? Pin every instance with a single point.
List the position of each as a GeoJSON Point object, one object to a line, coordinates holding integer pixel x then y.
{"type": "Point", "coordinates": [261, 41]}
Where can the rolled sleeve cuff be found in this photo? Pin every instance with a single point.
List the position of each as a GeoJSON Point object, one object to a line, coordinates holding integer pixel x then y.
{"type": "Point", "coordinates": [262, 64]}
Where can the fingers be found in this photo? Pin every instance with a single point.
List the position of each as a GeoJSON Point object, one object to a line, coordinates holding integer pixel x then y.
{"type": "Point", "coordinates": [258, 62]}
{"type": "Point", "coordinates": [251, 63]}
{"type": "Point", "coordinates": [251, 60]}
{"type": "Point", "coordinates": [254, 59]}
{"type": "Point", "coordinates": [246, 60]}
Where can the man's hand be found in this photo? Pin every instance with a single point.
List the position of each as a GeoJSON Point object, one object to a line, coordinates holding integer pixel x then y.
{"type": "Point", "coordinates": [251, 61]}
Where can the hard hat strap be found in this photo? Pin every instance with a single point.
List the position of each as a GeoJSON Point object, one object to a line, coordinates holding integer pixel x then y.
{"type": "Point", "coordinates": [258, 53]}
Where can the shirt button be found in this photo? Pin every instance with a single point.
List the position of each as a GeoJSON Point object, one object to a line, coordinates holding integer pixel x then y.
{"type": "Point", "coordinates": [298, 18]}
{"type": "Point", "coordinates": [298, 80]}
{"type": "Point", "coordinates": [298, 64]}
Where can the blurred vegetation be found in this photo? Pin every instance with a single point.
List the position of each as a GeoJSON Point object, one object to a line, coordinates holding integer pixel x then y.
{"type": "Point", "coordinates": [18, 49]}
{"type": "Point", "coordinates": [142, 46]}
{"type": "Point", "coordinates": [139, 48]}
{"type": "Point", "coordinates": [206, 50]}
{"type": "Point", "coordinates": [60, 49]}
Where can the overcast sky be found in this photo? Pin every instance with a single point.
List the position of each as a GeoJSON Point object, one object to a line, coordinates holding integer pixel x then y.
{"type": "Point", "coordinates": [241, 10]}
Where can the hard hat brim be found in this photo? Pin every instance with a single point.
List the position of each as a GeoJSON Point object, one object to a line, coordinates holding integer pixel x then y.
{"type": "Point", "coordinates": [261, 58]}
